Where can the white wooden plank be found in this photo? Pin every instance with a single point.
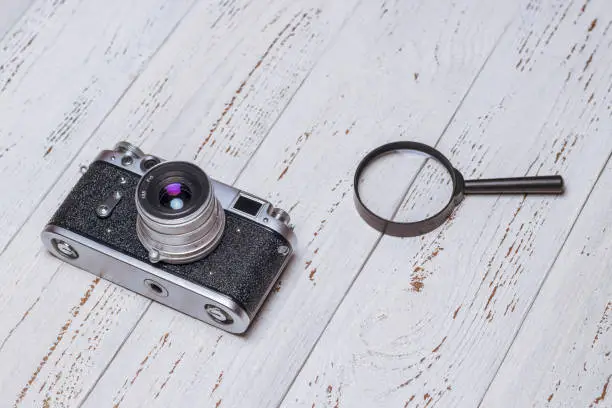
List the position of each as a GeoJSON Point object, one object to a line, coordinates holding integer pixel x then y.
{"type": "Point", "coordinates": [12, 10]}
{"type": "Point", "coordinates": [429, 320]}
{"type": "Point", "coordinates": [221, 104]}
{"type": "Point", "coordinates": [335, 118]}
{"type": "Point", "coordinates": [68, 349]}
{"type": "Point", "coordinates": [562, 356]}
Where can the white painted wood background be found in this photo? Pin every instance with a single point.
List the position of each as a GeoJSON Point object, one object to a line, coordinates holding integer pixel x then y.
{"type": "Point", "coordinates": [508, 304]}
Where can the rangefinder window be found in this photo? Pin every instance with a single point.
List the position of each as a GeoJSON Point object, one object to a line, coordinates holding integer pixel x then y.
{"type": "Point", "coordinates": [247, 205]}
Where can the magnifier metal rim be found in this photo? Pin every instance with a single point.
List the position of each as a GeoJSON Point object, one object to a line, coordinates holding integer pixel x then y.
{"type": "Point", "coordinates": [408, 229]}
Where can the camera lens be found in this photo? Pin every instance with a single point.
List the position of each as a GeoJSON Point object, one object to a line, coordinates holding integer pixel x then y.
{"type": "Point", "coordinates": [179, 218]}
{"type": "Point", "coordinates": [174, 195]}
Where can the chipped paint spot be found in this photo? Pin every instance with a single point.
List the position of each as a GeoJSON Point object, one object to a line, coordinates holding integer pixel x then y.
{"type": "Point", "coordinates": [559, 153]}
{"type": "Point", "coordinates": [583, 8]}
{"type": "Point", "coordinates": [176, 363]}
{"type": "Point", "coordinates": [510, 250]}
{"type": "Point", "coordinates": [435, 350]}
{"type": "Point", "coordinates": [427, 398]}
{"type": "Point", "coordinates": [491, 297]}
{"type": "Point", "coordinates": [604, 324]}
{"type": "Point", "coordinates": [87, 294]}
{"type": "Point", "coordinates": [409, 401]}
{"type": "Point", "coordinates": [316, 233]}
{"type": "Point", "coordinates": [43, 362]}
{"type": "Point", "coordinates": [25, 314]}
{"type": "Point", "coordinates": [417, 283]}
{"type": "Point", "coordinates": [283, 173]}
{"type": "Point", "coordinates": [56, 343]}
{"type": "Point", "coordinates": [303, 138]}
{"type": "Point", "coordinates": [418, 273]}
{"type": "Point", "coordinates": [218, 383]}
{"type": "Point", "coordinates": [312, 274]}
{"type": "Point", "coordinates": [456, 312]}
{"type": "Point", "coordinates": [603, 392]}
{"type": "Point", "coordinates": [586, 65]}
{"type": "Point", "coordinates": [163, 340]}
{"type": "Point", "coordinates": [277, 287]}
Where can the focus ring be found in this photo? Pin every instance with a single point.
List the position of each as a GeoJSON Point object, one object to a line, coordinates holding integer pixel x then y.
{"type": "Point", "coordinates": [184, 234]}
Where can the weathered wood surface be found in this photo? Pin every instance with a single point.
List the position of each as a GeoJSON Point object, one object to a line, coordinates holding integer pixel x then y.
{"type": "Point", "coordinates": [282, 98]}
{"type": "Point", "coordinates": [293, 168]}
{"type": "Point", "coordinates": [11, 12]}
{"type": "Point", "coordinates": [563, 353]}
{"type": "Point", "coordinates": [429, 321]}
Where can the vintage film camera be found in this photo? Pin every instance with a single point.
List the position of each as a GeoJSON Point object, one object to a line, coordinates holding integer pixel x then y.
{"type": "Point", "coordinates": [164, 229]}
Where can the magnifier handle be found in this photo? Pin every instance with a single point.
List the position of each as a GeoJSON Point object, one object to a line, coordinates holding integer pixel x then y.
{"type": "Point", "coordinates": [517, 185]}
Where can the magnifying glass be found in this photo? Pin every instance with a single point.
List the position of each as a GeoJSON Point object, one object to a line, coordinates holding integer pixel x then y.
{"type": "Point", "coordinates": [406, 189]}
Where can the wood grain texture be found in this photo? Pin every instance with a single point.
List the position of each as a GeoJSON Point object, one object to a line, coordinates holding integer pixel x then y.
{"type": "Point", "coordinates": [562, 356]}
{"type": "Point", "coordinates": [12, 10]}
{"type": "Point", "coordinates": [429, 320]}
{"type": "Point", "coordinates": [305, 164]}
{"type": "Point", "coordinates": [282, 98]}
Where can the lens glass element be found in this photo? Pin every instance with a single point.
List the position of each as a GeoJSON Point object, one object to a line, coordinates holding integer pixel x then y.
{"type": "Point", "coordinates": [405, 186]}
{"type": "Point", "coordinates": [174, 195]}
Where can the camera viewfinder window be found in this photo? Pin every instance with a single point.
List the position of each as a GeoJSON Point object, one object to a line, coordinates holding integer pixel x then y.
{"type": "Point", "coordinates": [247, 206]}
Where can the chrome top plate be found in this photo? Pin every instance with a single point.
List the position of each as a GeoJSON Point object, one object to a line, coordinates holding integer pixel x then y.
{"type": "Point", "coordinates": [227, 195]}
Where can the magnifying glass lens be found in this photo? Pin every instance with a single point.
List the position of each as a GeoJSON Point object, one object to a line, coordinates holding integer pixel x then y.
{"type": "Point", "coordinates": [405, 186]}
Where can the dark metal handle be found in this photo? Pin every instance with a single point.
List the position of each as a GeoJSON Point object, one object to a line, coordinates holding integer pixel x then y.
{"type": "Point", "coordinates": [517, 185]}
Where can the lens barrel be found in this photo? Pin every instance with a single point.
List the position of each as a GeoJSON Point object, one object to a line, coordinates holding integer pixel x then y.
{"type": "Point", "coordinates": [179, 218]}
